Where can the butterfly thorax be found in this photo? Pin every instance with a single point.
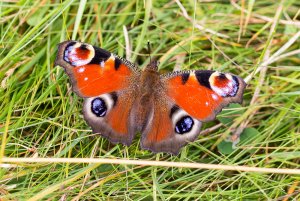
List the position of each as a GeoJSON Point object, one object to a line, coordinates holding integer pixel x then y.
{"type": "Point", "coordinates": [150, 83]}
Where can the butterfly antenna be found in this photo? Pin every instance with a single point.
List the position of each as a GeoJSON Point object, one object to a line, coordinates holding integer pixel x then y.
{"type": "Point", "coordinates": [153, 65]}
{"type": "Point", "coordinates": [149, 50]}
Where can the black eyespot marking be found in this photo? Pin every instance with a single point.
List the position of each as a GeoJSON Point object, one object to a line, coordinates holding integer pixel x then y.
{"type": "Point", "coordinates": [114, 97]}
{"type": "Point", "coordinates": [100, 55]}
{"type": "Point", "coordinates": [236, 81]}
{"type": "Point", "coordinates": [83, 47]}
{"type": "Point", "coordinates": [184, 125]}
{"type": "Point", "coordinates": [117, 63]}
{"type": "Point", "coordinates": [70, 44]}
{"type": "Point", "coordinates": [98, 107]}
{"type": "Point", "coordinates": [174, 109]}
{"type": "Point", "coordinates": [222, 76]}
{"type": "Point", "coordinates": [203, 77]}
{"type": "Point", "coordinates": [185, 77]}
{"type": "Point", "coordinates": [235, 87]}
{"type": "Point", "coordinates": [68, 49]}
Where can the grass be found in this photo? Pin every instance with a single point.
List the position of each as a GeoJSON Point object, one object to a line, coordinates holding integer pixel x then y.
{"type": "Point", "coordinates": [41, 117]}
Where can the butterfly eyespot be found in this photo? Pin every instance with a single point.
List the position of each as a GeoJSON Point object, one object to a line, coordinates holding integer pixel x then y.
{"type": "Point", "coordinates": [184, 125]}
{"type": "Point", "coordinates": [99, 107]}
{"type": "Point", "coordinates": [79, 54]}
{"type": "Point", "coordinates": [224, 85]}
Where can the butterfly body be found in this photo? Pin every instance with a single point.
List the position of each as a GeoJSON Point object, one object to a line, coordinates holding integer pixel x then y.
{"type": "Point", "coordinates": [121, 100]}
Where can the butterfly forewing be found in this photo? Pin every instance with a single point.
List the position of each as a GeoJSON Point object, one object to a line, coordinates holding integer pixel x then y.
{"type": "Point", "coordinates": [94, 71]}
{"type": "Point", "coordinates": [204, 93]}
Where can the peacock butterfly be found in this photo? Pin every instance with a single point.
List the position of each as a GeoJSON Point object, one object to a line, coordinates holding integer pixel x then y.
{"type": "Point", "coordinates": [121, 100]}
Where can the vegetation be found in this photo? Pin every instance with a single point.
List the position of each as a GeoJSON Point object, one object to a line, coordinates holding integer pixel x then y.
{"type": "Point", "coordinates": [41, 117]}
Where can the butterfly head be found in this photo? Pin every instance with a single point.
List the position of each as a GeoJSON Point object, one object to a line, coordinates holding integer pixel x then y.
{"type": "Point", "coordinates": [153, 66]}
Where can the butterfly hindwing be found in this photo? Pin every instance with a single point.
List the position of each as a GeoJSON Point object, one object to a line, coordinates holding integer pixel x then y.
{"type": "Point", "coordinates": [94, 71]}
{"type": "Point", "coordinates": [109, 115]}
{"type": "Point", "coordinates": [170, 129]}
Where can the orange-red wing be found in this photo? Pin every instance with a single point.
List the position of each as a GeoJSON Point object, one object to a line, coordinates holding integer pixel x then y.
{"type": "Point", "coordinates": [92, 80]}
{"type": "Point", "coordinates": [166, 131]}
{"type": "Point", "coordinates": [161, 126]}
{"type": "Point", "coordinates": [94, 71]}
{"type": "Point", "coordinates": [118, 118]}
{"type": "Point", "coordinates": [203, 94]}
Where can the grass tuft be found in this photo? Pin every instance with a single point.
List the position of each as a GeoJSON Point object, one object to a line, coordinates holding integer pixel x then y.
{"type": "Point", "coordinates": [41, 117]}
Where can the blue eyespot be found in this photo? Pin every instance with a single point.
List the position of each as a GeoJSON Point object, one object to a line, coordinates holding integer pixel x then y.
{"type": "Point", "coordinates": [98, 107]}
{"type": "Point", "coordinates": [184, 125]}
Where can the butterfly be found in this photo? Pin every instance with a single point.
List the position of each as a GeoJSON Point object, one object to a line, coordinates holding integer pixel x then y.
{"type": "Point", "coordinates": [121, 100]}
